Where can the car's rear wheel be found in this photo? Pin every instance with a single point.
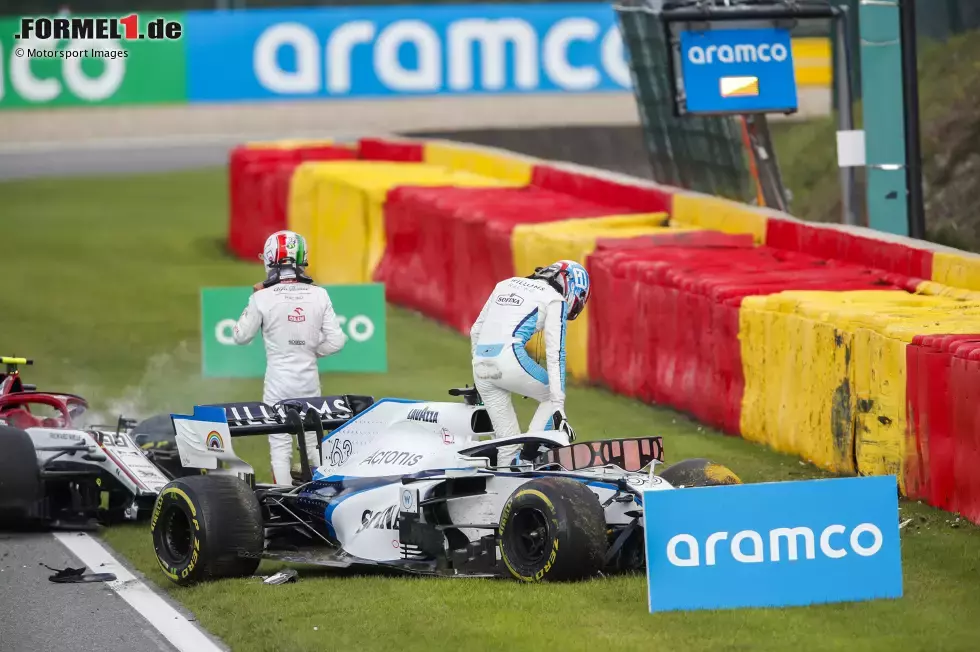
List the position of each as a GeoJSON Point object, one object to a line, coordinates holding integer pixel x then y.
{"type": "Point", "coordinates": [20, 476]}
{"type": "Point", "coordinates": [699, 473]}
{"type": "Point", "coordinates": [207, 527]}
{"type": "Point", "coordinates": [552, 529]}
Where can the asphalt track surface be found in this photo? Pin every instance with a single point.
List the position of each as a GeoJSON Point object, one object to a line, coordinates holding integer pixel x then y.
{"type": "Point", "coordinates": [110, 157]}
{"type": "Point", "coordinates": [40, 615]}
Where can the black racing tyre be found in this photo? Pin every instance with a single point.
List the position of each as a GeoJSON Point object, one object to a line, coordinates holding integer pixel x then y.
{"type": "Point", "coordinates": [202, 525]}
{"type": "Point", "coordinates": [699, 473]}
{"type": "Point", "coordinates": [552, 529]}
{"type": "Point", "coordinates": [20, 477]}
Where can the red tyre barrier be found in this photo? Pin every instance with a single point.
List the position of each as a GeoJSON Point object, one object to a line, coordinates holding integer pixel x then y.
{"type": "Point", "coordinates": [615, 266]}
{"type": "Point", "coordinates": [448, 247]}
{"type": "Point", "coordinates": [834, 243]}
{"type": "Point", "coordinates": [601, 188]}
{"type": "Point", "coordinates": [700, 239]}
{"type": "Point", "coordinates": [965, 389]}
{"type": "Point", "coordinates": [416, 260]}
{"type": "Point", "coordinates": [380, 149]}
{"type": "Point", "coordinates": [943, 392]}
{"type": "Point", "coordinates": [666, 322]}
{"type": "Point", "coordinates": [487, 231]}
{"type": "Point", "coordinates": [259, 190]}
{"type": "Point", "coordinates": [244, 165]}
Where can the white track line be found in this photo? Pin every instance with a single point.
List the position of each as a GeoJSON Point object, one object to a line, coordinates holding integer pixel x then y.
{"type": "Point", "coordinates": [182, 634]}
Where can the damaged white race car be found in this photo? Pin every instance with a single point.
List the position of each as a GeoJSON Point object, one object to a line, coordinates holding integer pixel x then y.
{"type": "Point", "coordinates": [409, 486]}
{"type": "Point", "coordinates": [55, 473]}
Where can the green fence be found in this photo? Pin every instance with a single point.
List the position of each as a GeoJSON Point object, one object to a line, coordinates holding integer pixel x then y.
{"type": "Point", "coordinates": [698, 153]}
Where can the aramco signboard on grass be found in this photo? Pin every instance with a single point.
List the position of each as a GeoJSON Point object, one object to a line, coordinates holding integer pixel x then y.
{"type": "Point", "coordinates": [773, 544]}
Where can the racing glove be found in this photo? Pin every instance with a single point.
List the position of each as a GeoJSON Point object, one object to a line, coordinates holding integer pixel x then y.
{"type": "Point", "coordinates": [560, 422]}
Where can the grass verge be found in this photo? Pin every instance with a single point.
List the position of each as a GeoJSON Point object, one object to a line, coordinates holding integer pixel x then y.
{"type": "Point", "coordinates": [102, 278]}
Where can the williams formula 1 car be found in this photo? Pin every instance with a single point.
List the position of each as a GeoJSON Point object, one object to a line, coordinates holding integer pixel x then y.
{"type": "Point", "coordinates": [55, 474]}
{"type": "Point", "coordinates": [409, 486]}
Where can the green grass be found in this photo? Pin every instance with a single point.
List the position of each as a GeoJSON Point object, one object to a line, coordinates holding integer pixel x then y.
{"type": "Point", "coordinates": [102, 279]}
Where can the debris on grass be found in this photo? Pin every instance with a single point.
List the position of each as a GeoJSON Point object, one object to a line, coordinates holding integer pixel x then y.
{"type": "Point", "coordinates": [282, 577]}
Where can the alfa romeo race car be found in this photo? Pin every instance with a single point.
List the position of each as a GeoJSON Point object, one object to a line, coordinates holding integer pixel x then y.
{"type": "Point", "coordinates": [56, 474]}
{"type": "Point", "coordinates": [409, 486]}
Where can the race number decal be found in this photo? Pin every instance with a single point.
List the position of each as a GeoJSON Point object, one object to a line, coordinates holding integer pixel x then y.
{"type": "Point", "coordinates": [131, 462]}
{"type": "Point", "coordinates": [116, 439]}
{"type": "Point", "coordinates": [340, 451]}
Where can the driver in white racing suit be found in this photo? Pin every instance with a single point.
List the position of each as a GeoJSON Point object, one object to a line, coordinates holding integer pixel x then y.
{"type": "Point", "coordinates": [298, 326]}
{"type": "Point", "coordinates": [516, 310]}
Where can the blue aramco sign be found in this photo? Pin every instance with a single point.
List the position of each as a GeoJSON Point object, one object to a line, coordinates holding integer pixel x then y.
{"type": "Point", "coordinates": [738, 71]}
{"type": "Point", "coordinates": [773, 544]}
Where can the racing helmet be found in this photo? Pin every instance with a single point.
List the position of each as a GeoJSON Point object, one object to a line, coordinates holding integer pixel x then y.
{"type": "Point", "coordinates": [285, 256]}
{"type": "Point", "coordinates": [571, 280]}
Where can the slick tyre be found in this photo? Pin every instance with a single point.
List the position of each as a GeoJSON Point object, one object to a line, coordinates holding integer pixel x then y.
{"type": "Point", "coordinates": [552, 529]}
{"type": "Point", "coordinates": [699, 473]}
{"type": "Point", "coordinates": [207, 527]}
{"type": "Point", "coordinates": [20, 476]}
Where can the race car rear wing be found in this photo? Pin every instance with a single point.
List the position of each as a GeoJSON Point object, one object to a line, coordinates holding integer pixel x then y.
{"type": "Point", "coordinates": [257, 418]}
{"type": "Point", "coordinates": [201, 436]}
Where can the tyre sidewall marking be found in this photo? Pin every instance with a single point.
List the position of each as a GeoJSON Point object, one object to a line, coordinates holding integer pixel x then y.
{"type": "Point", "coordinates": [505, 517]}
{"type": "Point", "coordinates": [176, 497]}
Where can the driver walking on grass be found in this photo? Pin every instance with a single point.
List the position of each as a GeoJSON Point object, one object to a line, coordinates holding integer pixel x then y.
{"type": "Point", "coordinates": [298, 326]}
{"type": "Point", "coordinates": [516, 310]}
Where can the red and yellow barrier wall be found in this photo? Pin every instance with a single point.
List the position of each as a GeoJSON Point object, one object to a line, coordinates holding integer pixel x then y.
{"type": "Point", "coordinates": [857, 351]}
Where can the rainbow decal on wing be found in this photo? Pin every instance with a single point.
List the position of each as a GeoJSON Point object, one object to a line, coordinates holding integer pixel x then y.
{"type": "Point", "coordinates": [215, 442]}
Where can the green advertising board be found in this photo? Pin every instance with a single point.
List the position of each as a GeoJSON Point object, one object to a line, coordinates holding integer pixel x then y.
{"type": "Point", "coordinates": [360, 310]}
{"type": "Point", "coordinates": [113, 72]}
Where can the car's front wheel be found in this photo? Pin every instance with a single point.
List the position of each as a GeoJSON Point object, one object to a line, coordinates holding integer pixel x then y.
{"type": "Point", "coordinates": [552, 529]}
{"type": "Point", "coordinates": [699, 472]}
{"type": "Point", "coordinates": [207, 527]}
{"type": "Point", "coordinates": [20, 476]}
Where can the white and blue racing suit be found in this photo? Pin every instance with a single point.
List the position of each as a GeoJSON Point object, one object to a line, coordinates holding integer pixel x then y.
{"type": "Point", "coordinates": [517, 309]}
